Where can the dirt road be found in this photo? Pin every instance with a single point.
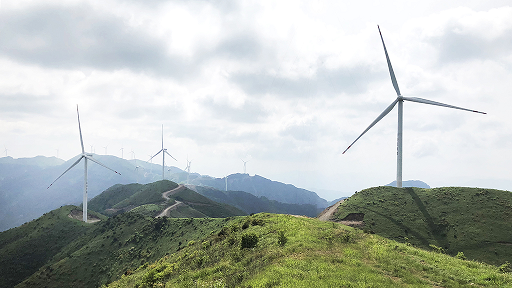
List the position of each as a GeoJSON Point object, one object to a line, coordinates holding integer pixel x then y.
{"type": "Point", "coordinates": [327, 213]}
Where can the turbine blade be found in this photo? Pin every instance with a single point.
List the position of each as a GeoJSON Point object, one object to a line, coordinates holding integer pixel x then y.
{"type": "Point", "coordinates": [425, 101]}
{"type": "Point", "coordinates": [170, 155]}
{"type": "Point", "coordinates": [74, 164]}
{"type": "Point", "coordinates": [162, 136]}
{"type": "Point", "coordinates": [99, 163]}
{"type": "Point", "coordinates": [155, 155]}
{"type": "Point", "coordinates": [80, 130]}
{"type": "Point", "coordinates": [391, 72]}
{"type": "Point", "coordinates": [390, 107]}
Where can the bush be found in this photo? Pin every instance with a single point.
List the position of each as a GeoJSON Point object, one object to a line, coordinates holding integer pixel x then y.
{"type": "Point", "coordinates": [282, 239]}
{"type": "Point", "coordinates": [506, 267]}
{"type": "Point", "coordinates": [461, 256]}
{"type": "Point", "coordinates": [437, 248]}
{"type": "Point", "coordinates": [249, 240]}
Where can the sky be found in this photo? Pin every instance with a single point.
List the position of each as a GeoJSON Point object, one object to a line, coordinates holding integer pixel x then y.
{"type": "Point", "coordinates": [286, 85]}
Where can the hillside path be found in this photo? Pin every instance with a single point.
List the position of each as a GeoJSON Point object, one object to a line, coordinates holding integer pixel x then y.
{"type": "Point", "coordinates": [327, 213]}
{"type": "Point", "coordinates": [166, 194]}
{"type": "Point", "coordinates": [172, 207]}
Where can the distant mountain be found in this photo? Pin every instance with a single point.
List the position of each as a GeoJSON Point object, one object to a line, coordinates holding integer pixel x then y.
{"type": "Point", "coordinates": [411, 183]}
{"type": "Point", "coordinates": [252, 204]}
{"type": "Point", "coordinates": [260, 186]}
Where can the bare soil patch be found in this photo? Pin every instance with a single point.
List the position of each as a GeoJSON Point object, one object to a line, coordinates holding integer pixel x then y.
{"type": "Point", "coordinates": [78, 215]}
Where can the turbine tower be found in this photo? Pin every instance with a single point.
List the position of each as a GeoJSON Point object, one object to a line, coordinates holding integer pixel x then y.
{"type": "Point", "coordinates": [164, 151]}
{"type": "Point", "coordinates": [188, 169]}
{"type": "Point", "coordinates": [85, 157]}
{"type": "Point", "coordinates": [245, 165]}
{"type": "Point", "coordinates": [400, 101]}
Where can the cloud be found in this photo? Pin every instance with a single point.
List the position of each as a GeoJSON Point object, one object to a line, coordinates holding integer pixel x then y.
{"type": "Point", "coordinates": [79, 36]}
{"type": "Point", "coordinates": [248, 112]}
{"type": "Point", "coordinates": [463, 34]}
{"type": "Point", "coordinates": [324, 82]}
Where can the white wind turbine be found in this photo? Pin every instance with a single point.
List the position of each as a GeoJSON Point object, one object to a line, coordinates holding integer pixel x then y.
{"type": "Point", "coordinates": [245, 165]}
{"type": "Point", "coordinates": [164, 151]}
{"type": "Point", "coordinates": [400, 100]}
{"type": "Point", "coordinates": [188, 168]}
{"type": "Point", "coordinates": [85, 157]}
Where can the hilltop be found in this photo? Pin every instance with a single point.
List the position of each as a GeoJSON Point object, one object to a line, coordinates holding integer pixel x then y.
{"type": "Point", "coordinates": [268, 250]}
{"type": "Point", "coordinates": [154, 198]}
{"type": "Point", "coordinates": [473, 221]}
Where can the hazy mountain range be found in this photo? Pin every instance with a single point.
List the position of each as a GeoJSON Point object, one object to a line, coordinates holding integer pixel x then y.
{"type": "Point", "coordinates": [24, 195]}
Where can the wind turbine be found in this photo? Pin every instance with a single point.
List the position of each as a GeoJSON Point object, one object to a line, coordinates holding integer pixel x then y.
{"type": "Point", "coordinates": [400, 100]}
{"type": "Point", "coordinates": [188, 168]}
{"type": "Point", "coordinates": [164, 151]}
{"type": "Point", "coordinates": [245, 165]}
{"type": "Point", "coordinates": [105, 149]}
{"type": "Point", "coordinates": [85, 157]}
{"type": "Point", "coordinates": [122, 150]}
{"type": "Point", "coordinates": [6, 151]}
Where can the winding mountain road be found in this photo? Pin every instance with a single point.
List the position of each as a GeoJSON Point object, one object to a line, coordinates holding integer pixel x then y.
{"type": "Point", "coordinates": [177, 204]}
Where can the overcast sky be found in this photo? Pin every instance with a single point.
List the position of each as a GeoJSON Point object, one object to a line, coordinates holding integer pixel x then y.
{"type": "Point", "coordinates": [287, 85]}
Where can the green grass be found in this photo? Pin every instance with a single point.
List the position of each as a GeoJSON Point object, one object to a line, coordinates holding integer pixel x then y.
{"type": "Point", "coordinates": [23, 250]}
{"type": "Point", "coordinates": [470, 220]}
{"type": "Point", "coordinates": [113, 195]}
{"type": "Point", "coordinates": [315, 254]}
{"type": "Point", "coordinates": [151, 210]}
{"type": "Point", "coordinates": [148, 194]}
{"type": "Point", "coordinates": [117, 246]}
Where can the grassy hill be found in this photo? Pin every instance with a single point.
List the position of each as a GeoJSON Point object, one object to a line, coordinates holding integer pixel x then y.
{"type": "Point", "coordinates": [252, 204]}
{"type": "Point", "coordinates": [147, 200]}
{"type": "Point", "coordinates": [23, 250]}
{"type": "Point", "coordinates": [58, 251]}
{"type": "Point", "coordinates": [268, 250]}
{"type": "Point", "coordinates": [470, 220]}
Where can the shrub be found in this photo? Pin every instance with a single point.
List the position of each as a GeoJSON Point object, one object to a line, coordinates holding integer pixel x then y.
{"type": "Point", "coordinates": [437, 248]}
{"type": "Point", "coordinates": [461, 256]}
{"type": "Point", "coordinates": [282, 239]}
{"type": "Point", "coordinates": [249, 240]}
{"type": "Point", "coordinates": [505, 267]}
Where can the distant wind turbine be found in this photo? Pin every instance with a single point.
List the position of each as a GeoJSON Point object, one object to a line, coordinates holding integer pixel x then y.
{"type": "Point", "coordinates": [400, 100]}
{"type": "Point", "coordinates": [85, 157]}
{"type": "Point", "coordinates": [105, 149]}
{"type": "Point", "coordinates": [164, 151]}
{"type": "Point", "coordinates": [6, 151]}
{"type": "Point", "coordinates": [133, 154]}
{"type": "Point", "coordinates": [245, 165]}
{"type": "Point", "coordinates": [188, 168]}
{"type": "Point", "coordinates": [226, 183]}
{"type": "Point", "coordinates": [122, 150]}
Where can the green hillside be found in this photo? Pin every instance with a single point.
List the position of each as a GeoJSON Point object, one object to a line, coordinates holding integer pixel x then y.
{"type": "Point", "coordinates": [147, 200]}
{"type": "Point", "coordinates": [268, 250]}
{"type": "Point", "coordinates": [103, 251]}
{"type": "Point", "coordinates": [23, 250]}
{"type": "Point", "coordinates": [470, 220]}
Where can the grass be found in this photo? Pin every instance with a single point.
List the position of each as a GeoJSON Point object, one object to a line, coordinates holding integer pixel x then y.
{"type": "Point", "coordinates": [470, 220]}
{"type": "Point", "coordinates": [315, 254]}
{"type": "Point", "coordinates": [23, 250]}
{"type": "Point", "coordinates": [117, 246]}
